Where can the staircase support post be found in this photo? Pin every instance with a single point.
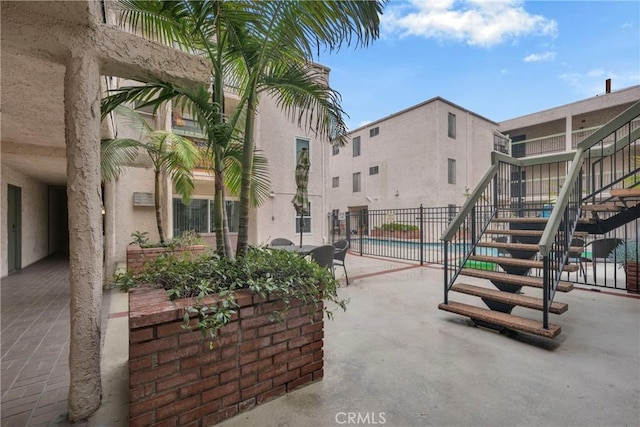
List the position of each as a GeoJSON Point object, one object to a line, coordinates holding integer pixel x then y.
{"type": "Point", "coordinates": [421, 235]}
{"type": "Point", "coordinates": [446, 271]}
{"type": "Point", "coordinates": [545, 292]}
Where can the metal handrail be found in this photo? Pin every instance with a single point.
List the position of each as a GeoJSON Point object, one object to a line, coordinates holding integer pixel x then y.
{"type": "Point", "coordinates": [557, 213]}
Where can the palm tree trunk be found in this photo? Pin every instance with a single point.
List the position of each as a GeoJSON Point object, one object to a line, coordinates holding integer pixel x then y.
{"type": "Point", "coordinates": [218, 202]}
{"type": "Point", "coordinates": [247, 169]}
{"type": "Point", "coordinates": [158, 202]}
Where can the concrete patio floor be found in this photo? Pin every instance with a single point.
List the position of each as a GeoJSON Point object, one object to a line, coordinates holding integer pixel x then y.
{"type": "Point", "coordinates": [393, 358]}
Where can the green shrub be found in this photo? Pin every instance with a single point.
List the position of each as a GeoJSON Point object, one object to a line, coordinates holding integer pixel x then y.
{"type": "Point", "coordinates": [396, 226]}
{"type": "Point", "coordinates": [282, 274]}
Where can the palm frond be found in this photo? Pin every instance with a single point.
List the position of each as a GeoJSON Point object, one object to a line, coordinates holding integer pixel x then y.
{"type": "Point", "coordinates": [115, 154]}
{"type": "Point", "coordinates": [260, 183]}
{"type": "Point", "coordinates": [301, 92]}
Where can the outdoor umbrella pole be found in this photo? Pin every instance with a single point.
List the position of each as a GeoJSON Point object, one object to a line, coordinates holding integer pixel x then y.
{"type": "Point", "coordinates": [301, 199]}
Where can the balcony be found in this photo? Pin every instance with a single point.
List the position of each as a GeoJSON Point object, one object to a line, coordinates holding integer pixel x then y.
{"type": "Point", "coordinates": [557, 142]}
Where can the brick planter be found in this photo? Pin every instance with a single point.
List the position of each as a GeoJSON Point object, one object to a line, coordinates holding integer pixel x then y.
{"type": "Point", "coordinates": [137, 256]}
{"type": "Point", "coordinates": [176, 379]}
{"type": "Point", "coordinates": [632, 271]}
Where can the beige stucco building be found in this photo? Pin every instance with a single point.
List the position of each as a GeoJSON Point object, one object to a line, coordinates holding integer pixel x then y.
{"type": "Point", "coordinates": [429, 154]}
{"type": "Point", "coordinates": [58, 59]}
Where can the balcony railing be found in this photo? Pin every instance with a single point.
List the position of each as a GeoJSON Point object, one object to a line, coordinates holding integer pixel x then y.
{"type": "Point", "coordinates": [557, 142]}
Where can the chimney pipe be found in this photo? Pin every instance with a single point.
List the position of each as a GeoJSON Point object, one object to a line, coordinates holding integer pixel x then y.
{"type": "Point", "coordinates": [607, 86]}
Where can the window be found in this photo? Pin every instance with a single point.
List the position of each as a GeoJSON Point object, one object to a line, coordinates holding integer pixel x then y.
{"type": "Point", "coordinates": [300, 145]}
{"type": "Point", "coordinates": [451, 125]}
{"type": "Point", "coordinates": [356, 182]}
{"type": "Point", "coordinates": [518, 150]}
{"type": "Point", "coordinates": [374, 132]}
{"type": "Point", "coordinates": [306, 222]}
{"type": "Point", "coordinates": [451, 169]}
{"type": "Point", "coordinates": [356, 146]}
{"type": "Point", "coordinates": [335, 182]}
{"type": "Point", "coordinates": [336, 149]}
{"type": "Point", "coordinates": [198, 216]}
{"type": "Point", "coordinates": [373, 170]}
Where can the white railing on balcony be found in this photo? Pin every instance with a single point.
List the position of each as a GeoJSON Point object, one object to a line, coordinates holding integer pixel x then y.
{"type": "Point", "coordinates": [557, 142]}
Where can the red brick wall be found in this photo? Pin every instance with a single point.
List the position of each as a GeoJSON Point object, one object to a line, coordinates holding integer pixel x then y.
{"type": "Point", "coordinates": [137, 256]}
{"type": "Point", "coordinates": [176, 380]}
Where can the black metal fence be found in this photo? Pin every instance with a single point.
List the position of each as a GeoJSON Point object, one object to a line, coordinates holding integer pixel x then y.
{"type": "Point", "coordinates": [411, 234]}
{"type": "Point", "coordinates": [414, 234]}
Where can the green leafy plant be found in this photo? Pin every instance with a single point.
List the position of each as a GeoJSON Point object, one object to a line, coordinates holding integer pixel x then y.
{"type": "Point", "coordinates": [124, 281]}
{"type": "Point", "coordinates": [625, 252]}
{"type": "Point", "coordinates": [396, 226]}
{"type": "Point", "coordinates": [140, 238]}
{"type": "Point", "coordinates": [280, 274]}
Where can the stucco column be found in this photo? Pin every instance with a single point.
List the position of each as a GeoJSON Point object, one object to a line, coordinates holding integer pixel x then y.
{"type": "Point", "coordinates": [568, 133]}
{"type": "Point", "coordinates": [82, 131]}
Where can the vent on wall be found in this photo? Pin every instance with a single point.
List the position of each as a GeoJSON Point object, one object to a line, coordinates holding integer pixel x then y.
{"type": "Point", "coordinates": [143, 199]}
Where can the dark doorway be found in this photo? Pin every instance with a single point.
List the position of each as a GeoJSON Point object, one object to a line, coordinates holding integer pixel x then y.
{"type": "Point", "coordinates": [14, 228]}
{"type": "Point", "coordinates": [58, 221]}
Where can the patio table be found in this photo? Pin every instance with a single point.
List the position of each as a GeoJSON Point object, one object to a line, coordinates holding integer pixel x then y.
{"type": "Point", "coordinates": [302, 250]}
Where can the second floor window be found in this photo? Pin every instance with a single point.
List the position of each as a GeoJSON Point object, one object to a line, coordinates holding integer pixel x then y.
{"type": "Point", "coordinates": [451, 171]}
{"type": "Point", "coordinates": [335, 182]}
{"type": "Point", "coordinates": [374, 170]}
{"type": "Point", "coordinates": [336, 149]}
{"type": "Point", "coordinates": [356, 146]}
{"type": "Point", "coordinates": [374, 132]}
{"type": "Point", "coordinates": [451, 126]}
{"type": "Point", "coordinates": [356, 182]}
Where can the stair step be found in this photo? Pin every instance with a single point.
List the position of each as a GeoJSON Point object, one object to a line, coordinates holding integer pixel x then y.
{"type": "Point", "coordinates": [509, 298]}
{"type": "Point", "coordinates": [529, 232]}
{"type": "Point", "coordinates": [533, 220]}
{"type": "Point", "coordinates": [625, 193]}
{"type": "Point", "coordinates": [529, 263]}
{"type": "Point", "coordinates": [602, 207]}
{"type": "Point", "coordinates": [501, 319]}
{"type": "Point", "coordinates": [530, 281]}
{"type": "Point", "coordinates": [523, 247]}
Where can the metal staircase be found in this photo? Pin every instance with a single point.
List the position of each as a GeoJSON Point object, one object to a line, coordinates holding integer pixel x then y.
{"type": "Point", "coordinates": [510, 225]}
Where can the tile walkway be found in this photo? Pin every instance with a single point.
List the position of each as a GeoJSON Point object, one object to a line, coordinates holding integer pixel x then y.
{"type": "Point", "coordinates": [35, 345]}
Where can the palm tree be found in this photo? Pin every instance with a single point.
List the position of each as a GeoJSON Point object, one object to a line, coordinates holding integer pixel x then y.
{"type": "Point", "coordinates": [170, 154]}
{"type": "Point", "coordinates": [276, 58]}
{"type": "Point", "coordinates": [259, 46]}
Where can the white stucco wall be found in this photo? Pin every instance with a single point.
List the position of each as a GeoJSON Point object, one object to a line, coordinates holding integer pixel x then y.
{"type": "Point", "coordinates": [412, 151]}
{"type": "Point", "coordinates": [34, 231]}
{"type": "Point", "coordinates": [276, 136]}
{"type": "Point", "coordinates": [131, 218]}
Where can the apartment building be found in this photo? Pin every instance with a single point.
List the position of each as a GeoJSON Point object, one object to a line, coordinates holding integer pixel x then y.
{"type": "Point", "coordinates": [560, 129]}
{"type": "Point", "coordinates": [432, 154]}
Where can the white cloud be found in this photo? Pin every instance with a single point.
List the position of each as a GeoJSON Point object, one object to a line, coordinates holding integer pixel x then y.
{"type": "Point", "coordinates": [537, 57]}
{"type": "Point", "coordinates": [476, 22]}
{"type": "Point", "coordinates": [626, 25]}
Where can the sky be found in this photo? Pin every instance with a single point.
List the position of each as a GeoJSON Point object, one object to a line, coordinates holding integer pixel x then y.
{"type": "Point", "coordinates": [500, 59]}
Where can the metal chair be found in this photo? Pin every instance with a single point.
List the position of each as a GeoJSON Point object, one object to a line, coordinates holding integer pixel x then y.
{"type": "Point", "coordinates": [323, 256]}
{"type": "Point", "coordinates": [281, 242]}
{"type": "Point", "coordinates": [577, 258]}
{"type": "Point", "coordinates": [600, 250]}
{"type": "Point", "coordinates": [339, 255]}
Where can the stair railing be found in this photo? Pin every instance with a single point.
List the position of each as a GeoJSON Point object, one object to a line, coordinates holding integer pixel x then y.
{"type": "Point", "coordinates": [558, 233]}
{"type": "Point", "coordinates": [464, 231]}
{"type": "Point", "coordinates": [518, 186]}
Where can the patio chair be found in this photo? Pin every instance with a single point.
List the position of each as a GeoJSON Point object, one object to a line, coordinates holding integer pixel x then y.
{"type": "Point", "coordinates": [577, 258]}
{"type": "Point", "coordinates": [280, 241]}
{"type": "Point", "coordinates": [339, 255]}
{"type": "Point", "coordinates": [600, 250]}
{"type": "Point", "coordinates": [323, 256]}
